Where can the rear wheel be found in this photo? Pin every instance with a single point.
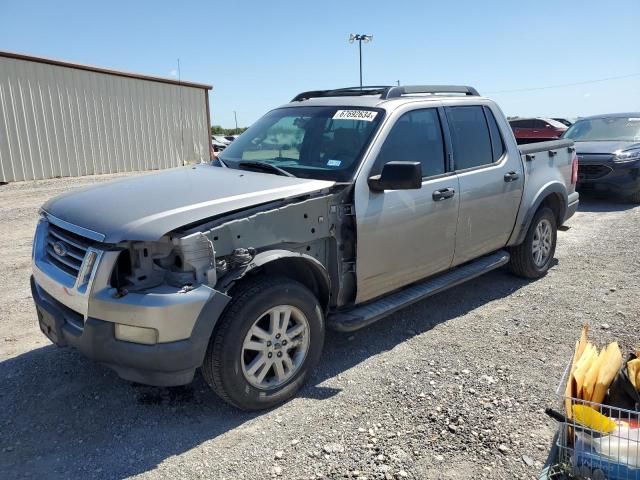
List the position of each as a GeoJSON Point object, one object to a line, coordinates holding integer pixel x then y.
{"type": "Point", "coordinates": [266, 343]}
{"type": "Point", "coordinates": [533, 257]}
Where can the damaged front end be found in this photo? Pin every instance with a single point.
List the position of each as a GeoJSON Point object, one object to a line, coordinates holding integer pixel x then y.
{"type": "Point", "coordinates": [311, 239]}
{"type": "Point", "coordinates": [181, 262]}
{"type": "Point", "coordinates": [147, 308]}
{"type": "Point", "coordinates": [132, 311]}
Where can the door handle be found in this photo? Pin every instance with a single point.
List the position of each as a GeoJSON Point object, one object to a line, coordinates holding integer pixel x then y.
{"type": "Point", "coordinates": [443, 194]}
{"type": "Point", "coordinates": [511, 177]}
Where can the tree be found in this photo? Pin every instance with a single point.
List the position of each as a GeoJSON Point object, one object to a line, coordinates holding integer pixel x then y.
{"type": "Point", "coordinates": [218, 130]}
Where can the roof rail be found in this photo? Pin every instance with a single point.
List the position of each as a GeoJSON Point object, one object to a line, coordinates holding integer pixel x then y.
{"type": "Point", "coordinates": [395, 92]}
{"type": "Point", "coordinates": [343, 92]}
{"type": "Point", "coordinates": [386, 91]}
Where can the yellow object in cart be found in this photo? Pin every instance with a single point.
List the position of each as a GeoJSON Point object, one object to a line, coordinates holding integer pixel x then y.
{"type": "Point", "coordinates": [590, 379]}
{"type": "Point", "coordinates": [608, 370]}
{"type": "Point", "coordinates": [582, 367]}
{"type": "Point", "coordinates": [633, 372]}
{"type": "Point", "coordinates": [591, 374]}
{"type": "Point", "coordinates": [572, 388]}
{"type": "Point", "coordinates": [593, 419]}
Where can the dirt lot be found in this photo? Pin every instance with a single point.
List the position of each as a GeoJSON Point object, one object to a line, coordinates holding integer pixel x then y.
{"type": "Point", "coordinates": [453, 387]}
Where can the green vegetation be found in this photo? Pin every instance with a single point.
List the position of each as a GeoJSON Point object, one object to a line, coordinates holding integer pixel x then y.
{"type": "Point", "coordinates": [218, 130]}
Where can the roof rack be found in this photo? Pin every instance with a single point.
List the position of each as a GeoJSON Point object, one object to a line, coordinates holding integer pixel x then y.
{"type": "Point", "coordinates": [386, 91]}
{"type": "Point", "coordinates": [343, 92]}
{"type": "Point", "coordinates": [395, 92]}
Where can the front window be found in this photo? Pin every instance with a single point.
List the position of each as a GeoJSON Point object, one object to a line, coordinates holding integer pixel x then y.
{"type": "Point", "coordinates": [415, 137]}
{"type": "Point", "coordinates": [623, 129]}
{"type": "Point", "coordinates": [324, 143]}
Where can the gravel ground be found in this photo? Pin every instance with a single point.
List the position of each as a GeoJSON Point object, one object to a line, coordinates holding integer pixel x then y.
{"type": "Point", "coordinates": [451, 388]}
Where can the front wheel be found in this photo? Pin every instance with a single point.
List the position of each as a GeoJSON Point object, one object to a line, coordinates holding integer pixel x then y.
{"type": "Point", "coordinates": [266, 343]}
{"type": "Point", "coordinates": [533, 257]}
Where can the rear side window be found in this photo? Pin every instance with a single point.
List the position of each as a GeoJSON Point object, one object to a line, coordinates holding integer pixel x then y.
{"type": "Point", "coordinates": [415, 137]}
{"type": "Point", "coordinates": [470, 137]}
{"type": "Point", "coordinates": [497, 143]}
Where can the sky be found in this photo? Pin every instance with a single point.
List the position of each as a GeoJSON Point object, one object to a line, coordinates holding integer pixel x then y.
{"type": "Point", "coordinates": [260, 54]}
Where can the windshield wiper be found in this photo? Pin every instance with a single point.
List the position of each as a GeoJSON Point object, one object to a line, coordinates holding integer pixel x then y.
{"type": "Point", "coordinates": [265, 166]}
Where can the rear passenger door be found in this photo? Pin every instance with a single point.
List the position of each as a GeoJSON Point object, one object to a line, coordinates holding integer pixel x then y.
{"type": "Point", "coordinates": [491, 182]}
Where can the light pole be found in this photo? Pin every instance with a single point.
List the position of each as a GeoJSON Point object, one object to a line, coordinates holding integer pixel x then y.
{"type": "Point", "coordinates": [235, 115]}
{"type": "Point", "coordinates": [360, 38]}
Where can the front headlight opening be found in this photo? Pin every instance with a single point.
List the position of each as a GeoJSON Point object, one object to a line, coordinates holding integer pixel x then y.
{"type": "Point", "coordinates": [121, 270]}
{"type": "Point", "coordinates": [627, 156]}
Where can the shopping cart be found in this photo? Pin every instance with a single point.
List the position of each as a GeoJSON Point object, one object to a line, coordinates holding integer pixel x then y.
{"type": "Point", "coordinates": [607, 449]}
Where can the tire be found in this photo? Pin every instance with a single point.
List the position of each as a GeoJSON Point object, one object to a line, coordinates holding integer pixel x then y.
{"type": "Point", "coordinates": [635, 198]}
{"type": "Point", "coordinates": [524, 261]}
{"type": "Point", "coordinates": [231, 355]}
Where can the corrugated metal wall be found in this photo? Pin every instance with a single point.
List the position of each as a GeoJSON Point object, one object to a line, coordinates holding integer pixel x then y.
{"type": "Point", "coordinates": [59, 121]}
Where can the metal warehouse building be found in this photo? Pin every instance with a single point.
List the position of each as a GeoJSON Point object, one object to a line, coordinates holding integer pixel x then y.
{"type": "Point", "coordinates": [61, 119]}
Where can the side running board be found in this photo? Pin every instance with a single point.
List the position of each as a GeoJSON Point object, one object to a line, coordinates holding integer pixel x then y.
{"type": "Point", "coordinates": [364, 315]}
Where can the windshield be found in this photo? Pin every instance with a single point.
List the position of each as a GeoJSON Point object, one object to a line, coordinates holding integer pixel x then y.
{"type": "Point", "coordinates": [324, 143]}
{"type": "Point", "coordinates": [624, 129]}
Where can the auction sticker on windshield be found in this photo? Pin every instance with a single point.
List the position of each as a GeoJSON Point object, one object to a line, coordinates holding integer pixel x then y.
{"type": "Point", "coordinates": [366, 115]}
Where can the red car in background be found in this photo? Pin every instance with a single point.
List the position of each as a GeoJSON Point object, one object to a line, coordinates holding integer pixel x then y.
{"type": "Point", "coordinates": [528, 130]}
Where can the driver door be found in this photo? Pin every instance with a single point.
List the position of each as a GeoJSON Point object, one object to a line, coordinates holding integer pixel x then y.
{"type": "Point", "coordinates": [406, 235]}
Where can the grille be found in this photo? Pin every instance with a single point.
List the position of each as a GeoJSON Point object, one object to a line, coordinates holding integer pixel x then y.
{"type": "Point", "coordinates": [66, 250]}
{"type": "Point", "coordinates": [592, 171]}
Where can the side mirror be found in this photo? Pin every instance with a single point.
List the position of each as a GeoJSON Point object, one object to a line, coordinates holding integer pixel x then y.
{"type": "Point", "coordinates": [397, 176]}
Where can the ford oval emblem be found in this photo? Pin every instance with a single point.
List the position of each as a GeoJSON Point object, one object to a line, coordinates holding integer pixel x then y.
{"type": "Point", "coordinates": [60, 249]}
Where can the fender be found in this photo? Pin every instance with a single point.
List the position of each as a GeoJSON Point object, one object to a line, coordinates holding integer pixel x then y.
{"type": "Point", "coordinates": [554, 188]}
{"type": "Point", "coordinates": [272, 257]}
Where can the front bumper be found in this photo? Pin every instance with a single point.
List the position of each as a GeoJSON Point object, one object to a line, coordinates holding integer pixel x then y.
{"type": "Point", "coordinates": [161, 364]}
{"type": "Point", "coordinates": [614, 178]}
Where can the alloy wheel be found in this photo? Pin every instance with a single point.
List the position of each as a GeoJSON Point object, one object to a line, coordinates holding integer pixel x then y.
{"type": "Point", "coordinates": [541, 246]}
{"type": "Point", "coordinates": [275, 347]}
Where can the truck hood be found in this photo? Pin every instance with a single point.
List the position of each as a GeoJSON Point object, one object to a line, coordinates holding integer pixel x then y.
{"type": "Point", "coordinates": [604, 147]}
{"type": "Point", "coordinates": [146, 207]}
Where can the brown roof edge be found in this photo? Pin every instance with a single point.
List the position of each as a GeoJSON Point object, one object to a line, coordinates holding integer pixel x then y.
{"type": "Point", "coordinates": [90, 68]}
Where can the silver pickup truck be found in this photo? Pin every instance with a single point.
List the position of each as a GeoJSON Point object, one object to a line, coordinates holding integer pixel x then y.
{"type": "Point", "coordinates": [334, 210]}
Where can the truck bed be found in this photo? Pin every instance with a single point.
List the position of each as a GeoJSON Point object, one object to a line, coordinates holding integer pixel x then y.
{"type": "Point", "coordinates": [547, 167]}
